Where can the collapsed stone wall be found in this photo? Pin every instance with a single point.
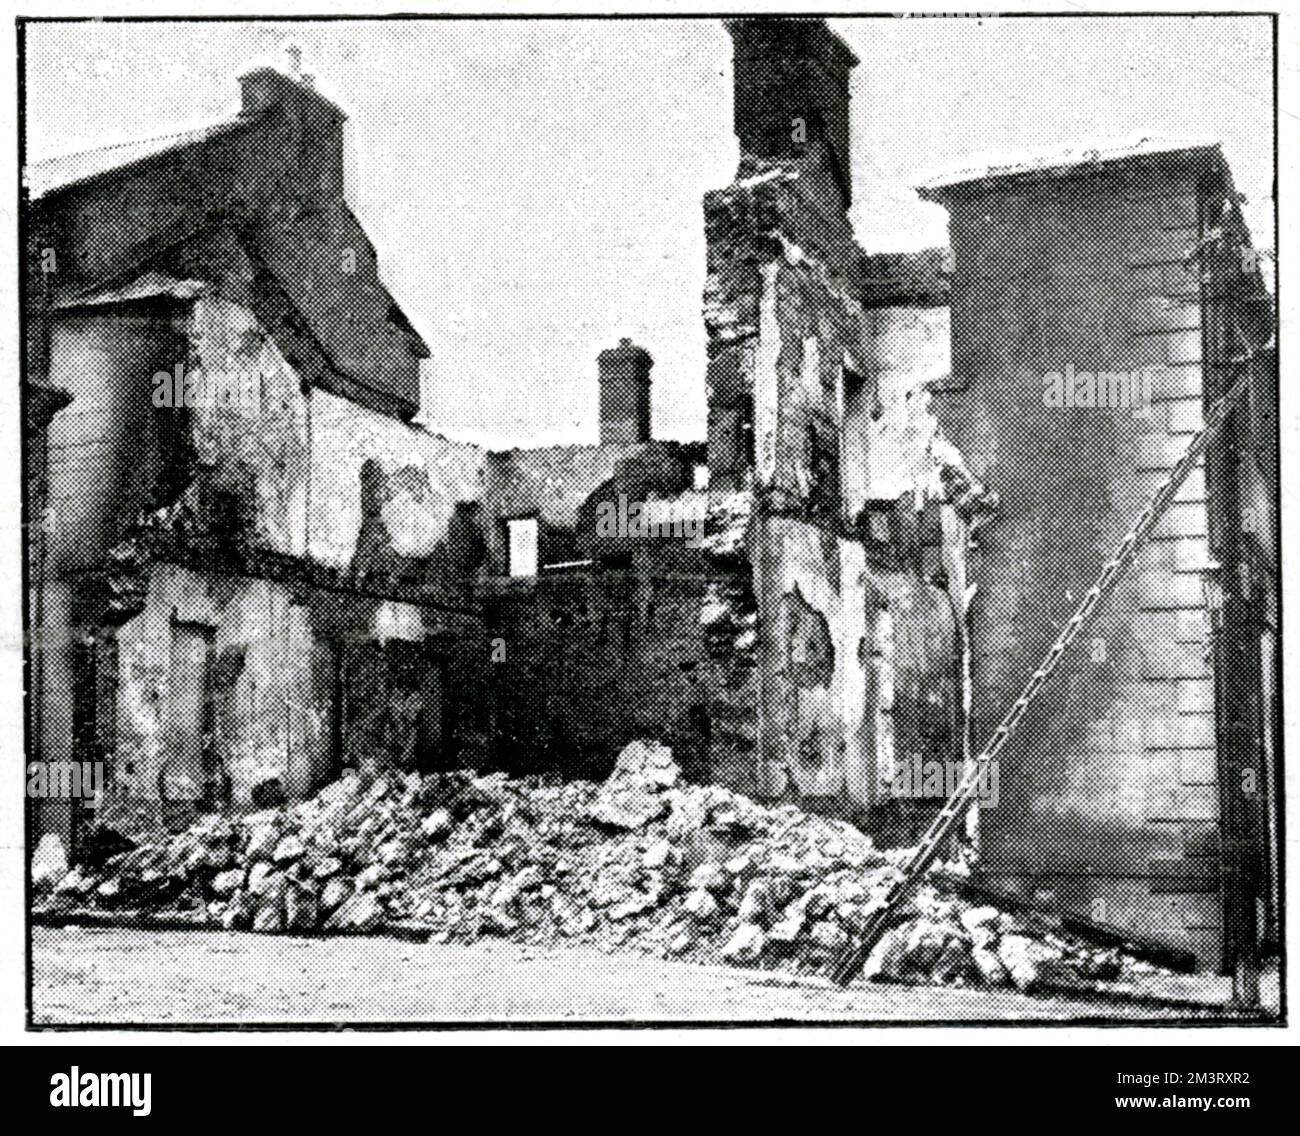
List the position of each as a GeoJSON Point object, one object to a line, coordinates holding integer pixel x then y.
{"type": "Point", "coordinates": [331, 564]}
{"type": "Point", "coordinates": [764, 658]}
{"type": "Point", "coordinates": [642, 862]}
{"type": "Point", "coordinates": [729, 619]}
{"type": "Point", "coordinates": [309, 553]}
{"type": "Point", "coordinates": [612, 647]}
{"type": "Point", "coordinates": [336, 566]}
{"type": "Point", "coordinates": [561, 486]}
{"type": "Point", "coordinates": [782, 327]}
{"type": "Point", "coordinates": [284, 686]}
{"type": "Point", "coordinates": [323, 477]}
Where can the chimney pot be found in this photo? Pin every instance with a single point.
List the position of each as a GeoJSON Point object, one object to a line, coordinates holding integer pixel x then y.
{"type": "Point", "coordinates": [624, 394]}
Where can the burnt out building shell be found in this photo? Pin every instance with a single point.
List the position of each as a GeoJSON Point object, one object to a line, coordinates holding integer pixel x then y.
{"type": "Point", "coordinates": [253, 566]}
{"type": "Point", "coordinates": [875, 544]}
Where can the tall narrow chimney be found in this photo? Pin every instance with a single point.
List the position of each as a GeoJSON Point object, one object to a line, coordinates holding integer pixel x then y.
{"type": "Point", "coordinates": [792, 91]}
{"type": "Point", "coordinates": [624, 394]}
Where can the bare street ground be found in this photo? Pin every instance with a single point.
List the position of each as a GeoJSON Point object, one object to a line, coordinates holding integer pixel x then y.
{"type": "Point", "coordinates": [129, 977]}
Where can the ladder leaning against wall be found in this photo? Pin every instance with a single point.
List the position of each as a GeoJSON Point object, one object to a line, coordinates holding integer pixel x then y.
{"type": "Point", "coordinates": [852, 959]}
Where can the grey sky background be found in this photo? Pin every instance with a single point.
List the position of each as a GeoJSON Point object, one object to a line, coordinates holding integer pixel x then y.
{"type": "Point", "coordinates": [533, 188]}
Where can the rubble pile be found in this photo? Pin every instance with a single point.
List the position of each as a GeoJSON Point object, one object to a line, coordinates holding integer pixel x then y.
{"type": "Point", "coordinates": [642, 861]}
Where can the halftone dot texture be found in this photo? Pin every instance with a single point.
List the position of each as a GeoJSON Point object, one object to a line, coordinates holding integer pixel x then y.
{"type": "Point", "coordinates": [1111, 801]}
{"type": "Point", "coordinates": [237, 601]}
{"type": "Point", "coordinates": [214, 979]}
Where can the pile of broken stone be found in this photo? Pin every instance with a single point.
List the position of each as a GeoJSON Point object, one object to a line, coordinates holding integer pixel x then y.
{"type": "Point", "coordinates": [640, 862]}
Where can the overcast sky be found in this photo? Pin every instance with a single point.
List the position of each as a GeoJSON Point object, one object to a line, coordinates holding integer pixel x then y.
{"type": "Point", "coordinates": [534, 189]}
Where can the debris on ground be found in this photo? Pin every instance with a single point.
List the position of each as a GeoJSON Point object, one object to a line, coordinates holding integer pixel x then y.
{"type": "Point", "coordinates": [49, 862]}
{"type": "Point", "coordinates": [642, 861]}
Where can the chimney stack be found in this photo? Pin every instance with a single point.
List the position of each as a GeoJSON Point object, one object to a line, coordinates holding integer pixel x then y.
{"type": "Point", "coordinates": [791, 80]}
{"type": "Point", "coordinates": [310, 142]}
{"type": "Point", "coordinates": [265, 88]}
{"type": "Point", "coordinates": [624, 394]}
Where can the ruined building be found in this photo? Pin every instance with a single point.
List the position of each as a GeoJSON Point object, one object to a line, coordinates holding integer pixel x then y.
{"type": "Point", "coordinates": [238, 595]}
{"type": "Point", "coordinates": [886, 527]}
{"type": "Point", "coordinates": [213, 582]}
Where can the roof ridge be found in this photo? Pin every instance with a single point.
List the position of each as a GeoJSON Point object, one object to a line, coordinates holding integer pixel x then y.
{"type": "Point", "coordinates": [82, 166]}
{"type": "Point", "coordinates": [125, 142]}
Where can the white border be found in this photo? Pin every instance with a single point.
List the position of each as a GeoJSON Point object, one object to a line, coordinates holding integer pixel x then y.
{"type": "Point", "coordinates": [12, 945]}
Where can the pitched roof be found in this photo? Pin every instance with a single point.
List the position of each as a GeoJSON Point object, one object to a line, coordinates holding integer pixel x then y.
{"type": "Point", "coordinates": [51, 174]}
{"type": "Point", "coordinates": [353, 317]}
